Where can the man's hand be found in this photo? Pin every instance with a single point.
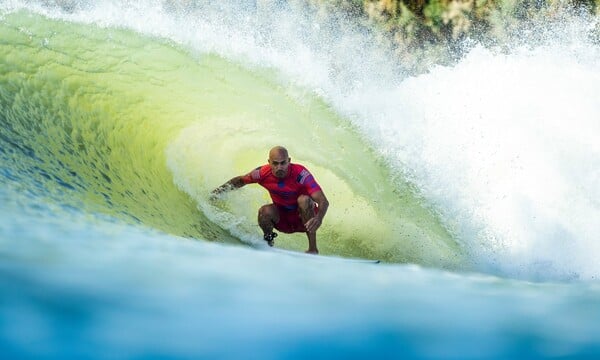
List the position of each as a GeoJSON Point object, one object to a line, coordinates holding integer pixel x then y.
{"type": "Point", "coordinates": [313, 224]}
{"type": "Point", "coordinates": [216, 194]}
{"type": "Point", "coordinates": [234, 183]}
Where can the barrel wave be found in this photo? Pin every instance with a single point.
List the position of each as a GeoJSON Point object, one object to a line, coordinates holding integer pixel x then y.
{"type": "Point", "coordinates": [137, 128]}
{"type": "Point", "coordinates": [476, 183]}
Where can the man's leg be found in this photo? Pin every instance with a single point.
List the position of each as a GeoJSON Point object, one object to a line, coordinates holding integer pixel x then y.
{"type": "Point", "coordinates": [268, 216]}
{"type": "Point", "coordinates": [306, 206]}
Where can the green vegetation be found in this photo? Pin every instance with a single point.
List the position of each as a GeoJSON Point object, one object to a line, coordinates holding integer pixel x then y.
{"type": "Point", "coordinates": [421, 31]}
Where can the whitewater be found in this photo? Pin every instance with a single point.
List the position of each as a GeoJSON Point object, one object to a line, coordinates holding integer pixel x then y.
{"type": "Point", "coordinates": [476, 184]}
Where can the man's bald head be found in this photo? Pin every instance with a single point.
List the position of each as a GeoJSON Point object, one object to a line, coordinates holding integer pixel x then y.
{"type": "Point", "coordinates": [278, 151]}
{"type": "Point", "coordinates": [279, 161]}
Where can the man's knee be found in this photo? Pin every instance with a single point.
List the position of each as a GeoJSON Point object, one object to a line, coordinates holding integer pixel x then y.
{"type": "Point", "coordinates": [304, 202]}
{"type": "Point", "coordinates": [268, 212]}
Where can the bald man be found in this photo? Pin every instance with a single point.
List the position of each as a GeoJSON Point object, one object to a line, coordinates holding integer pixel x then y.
{"type": "Point", "coordinates": [299, 204]}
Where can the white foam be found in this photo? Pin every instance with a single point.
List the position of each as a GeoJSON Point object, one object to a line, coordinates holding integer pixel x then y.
{"type": "Point", "coordinates": [508, 149]}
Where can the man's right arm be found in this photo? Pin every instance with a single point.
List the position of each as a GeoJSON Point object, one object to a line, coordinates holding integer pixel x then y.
{"type": "Point", "coordinates": [234, 183]}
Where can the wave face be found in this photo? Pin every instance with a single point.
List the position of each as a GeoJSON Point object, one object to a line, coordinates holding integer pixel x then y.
{"type": "Point", "coordinates": [119, 118]}
{"type": "Point", "coordinates": [121, 123]}
{"type": "Point", "coordinates": [83, 127]}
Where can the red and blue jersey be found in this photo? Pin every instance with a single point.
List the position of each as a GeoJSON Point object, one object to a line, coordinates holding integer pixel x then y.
{"type": "Point", "coordinates": [284, 191]}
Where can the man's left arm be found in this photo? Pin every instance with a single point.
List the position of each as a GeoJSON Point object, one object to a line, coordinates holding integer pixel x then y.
{"type": "Point", "coordinates": [314, 223]}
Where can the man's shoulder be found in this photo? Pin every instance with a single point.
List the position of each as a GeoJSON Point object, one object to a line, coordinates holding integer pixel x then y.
{"type": "Point", "coordinates": [264, 171]}
{"type": "Point", "coordinates": [258, 174]}
{"type": "Point", "coordinates": [297, 168]}
{"type": "Point", "coordinates": [301, 174]}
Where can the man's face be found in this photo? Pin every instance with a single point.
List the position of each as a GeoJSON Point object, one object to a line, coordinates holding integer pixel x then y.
{"type": "Point", "coordinates": [279, 163]}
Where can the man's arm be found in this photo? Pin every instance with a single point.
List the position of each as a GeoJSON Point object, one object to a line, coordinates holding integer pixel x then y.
{"type": "Point", "coordinates": [234, 183]}
{"type": "Point", "coordinates": [314, 223]}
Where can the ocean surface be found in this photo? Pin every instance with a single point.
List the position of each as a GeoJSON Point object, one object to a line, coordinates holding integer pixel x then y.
{"type": "Point", "coordinates": [476, 184]}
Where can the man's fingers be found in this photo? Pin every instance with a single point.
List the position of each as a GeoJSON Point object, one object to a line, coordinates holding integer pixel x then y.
{"type": "Point", "coordinates": [312, 225]}
{"type": "Point", "coordinates": [307, 225]}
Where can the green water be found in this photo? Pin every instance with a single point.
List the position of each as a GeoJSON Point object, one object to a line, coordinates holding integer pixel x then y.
{"type": "Point", "coordinates": [113, 122]}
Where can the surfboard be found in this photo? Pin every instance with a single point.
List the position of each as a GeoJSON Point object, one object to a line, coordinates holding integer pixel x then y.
{"type": "Point", "coordinates": [322, 257]}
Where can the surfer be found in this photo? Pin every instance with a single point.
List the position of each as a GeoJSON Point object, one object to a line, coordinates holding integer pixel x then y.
{"type": "Point", "coordinates": [299, 204]}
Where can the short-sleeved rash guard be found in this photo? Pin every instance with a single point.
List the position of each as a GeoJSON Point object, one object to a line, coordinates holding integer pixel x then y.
{"type": "Point", "coordinates": [284, 192]}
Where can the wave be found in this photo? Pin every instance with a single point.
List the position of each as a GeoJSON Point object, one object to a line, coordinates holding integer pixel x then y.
{"type": "Point", "coordinates": [494, 157]}
{"type": "Point", "coordinates": [110, 121]}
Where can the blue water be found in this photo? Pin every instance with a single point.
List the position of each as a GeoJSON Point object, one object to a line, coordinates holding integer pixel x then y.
{"type": "Point", "coordinates": [109, 248]}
